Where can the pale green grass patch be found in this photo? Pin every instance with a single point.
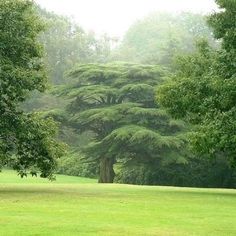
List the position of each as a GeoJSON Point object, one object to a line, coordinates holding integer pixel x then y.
{"type": "Point", "coordinates": [78, 206]}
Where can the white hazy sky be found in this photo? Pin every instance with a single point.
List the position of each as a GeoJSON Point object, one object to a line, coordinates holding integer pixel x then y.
{"type": "Point", "coordinates": [115, 16]}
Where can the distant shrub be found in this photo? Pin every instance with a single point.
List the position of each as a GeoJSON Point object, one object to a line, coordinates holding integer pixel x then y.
{"type": "Point", "coordinates": [72, 164]}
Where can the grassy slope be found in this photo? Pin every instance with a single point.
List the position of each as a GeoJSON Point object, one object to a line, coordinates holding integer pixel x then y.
{"type": "Point", "coordinates": [78, 206]}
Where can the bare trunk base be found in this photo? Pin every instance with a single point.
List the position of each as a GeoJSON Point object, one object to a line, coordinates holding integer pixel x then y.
{"type": "Point", "coordinates": [107, 173]}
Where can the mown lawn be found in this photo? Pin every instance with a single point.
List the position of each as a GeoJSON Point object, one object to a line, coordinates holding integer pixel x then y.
{"type": "Point", "coordinates": [79, 206]}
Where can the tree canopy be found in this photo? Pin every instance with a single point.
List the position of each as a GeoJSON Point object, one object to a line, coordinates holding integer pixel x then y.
{"type": "Point", "coordinates": [203, 89]}
{"type": "Point", "coordinates": [26, 140]}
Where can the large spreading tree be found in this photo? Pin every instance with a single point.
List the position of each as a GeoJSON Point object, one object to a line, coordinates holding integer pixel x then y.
{"type": "Point", "coordinates": [26, 140]}
{"type": "Point", "coordinates": [116, 102]}
{"type": "Point", "coordinates": [203, 90]}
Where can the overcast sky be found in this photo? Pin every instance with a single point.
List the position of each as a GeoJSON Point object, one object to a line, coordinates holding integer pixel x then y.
{"type": "Point", "coordinates": [115, 16]}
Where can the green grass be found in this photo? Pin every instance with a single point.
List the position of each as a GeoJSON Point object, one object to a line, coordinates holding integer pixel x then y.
{"type": "Point", "coordinates": [79, 206]}
{"type": "Point", "coordinates": [10, 177]}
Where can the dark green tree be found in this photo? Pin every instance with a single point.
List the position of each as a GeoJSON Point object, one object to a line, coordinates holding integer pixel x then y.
{"type": "Point", "coordinates": [26, 140]}
{"type": "Point", "coordinates": [203, 89]}
{"type": "Point", "coordinates": [116, 102]}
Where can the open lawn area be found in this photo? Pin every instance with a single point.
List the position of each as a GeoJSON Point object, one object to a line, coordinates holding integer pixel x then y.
{"type": "Point", "coordinates": [78, 206]}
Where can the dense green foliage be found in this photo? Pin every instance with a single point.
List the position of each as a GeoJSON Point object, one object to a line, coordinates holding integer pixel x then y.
{"type": "Point", "coordinates": [203, 89]}
{"type": "Point", "coordinates": [195, 172]}
{"type": "Point", "coordinates": [116, 102]}
{"type": "Point", "coordinates": [26, 140]}
{"type": "Point", "coordinates": [73, 164]}
{"type": "Point", "coordinates": [77, 206]}
{"type": "Point", "coordinates": [159, 37]}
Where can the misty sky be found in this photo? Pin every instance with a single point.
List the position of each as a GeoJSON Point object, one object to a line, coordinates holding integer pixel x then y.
{"type": "Point", "coordinates": [115, 16]}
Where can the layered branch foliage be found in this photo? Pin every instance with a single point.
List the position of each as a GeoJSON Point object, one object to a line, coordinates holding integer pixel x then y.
{"type": "Point", "coordinates": [116, 101]}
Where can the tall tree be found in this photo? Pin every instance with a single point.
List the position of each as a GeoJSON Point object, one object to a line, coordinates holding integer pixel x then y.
{"type": "Point", "coordinates": [203, 89]}
{"type": "Point", "coordinates": [116, 102]}
{"type": "Point", "coordinates": [26, 140]}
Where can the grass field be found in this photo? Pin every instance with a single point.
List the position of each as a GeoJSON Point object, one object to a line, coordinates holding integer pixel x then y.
{"type": "Point", "coordinates": [78, 206]}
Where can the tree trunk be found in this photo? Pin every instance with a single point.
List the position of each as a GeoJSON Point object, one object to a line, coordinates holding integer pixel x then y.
{"type": "Point", "coordinates": [106, 174]}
